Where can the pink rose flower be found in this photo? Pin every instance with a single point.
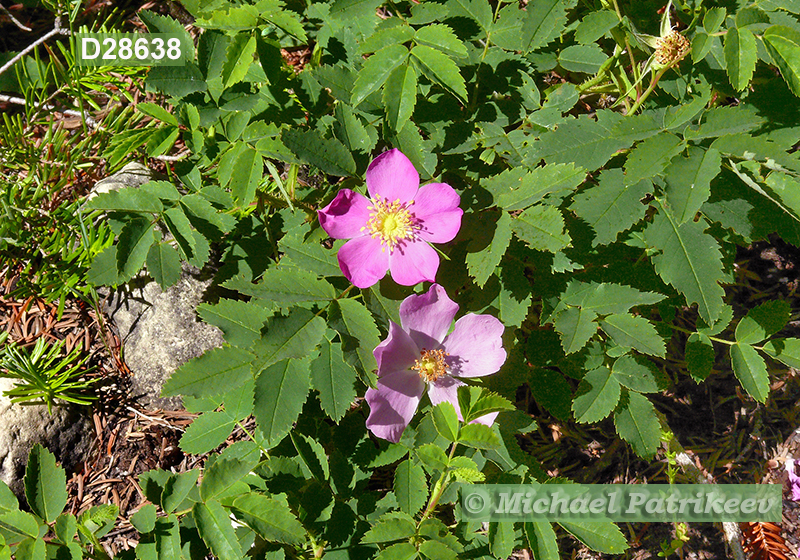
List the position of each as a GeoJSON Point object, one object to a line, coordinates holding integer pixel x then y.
{"type": "Point", "coordinates": [421, 354]}
{"type": "Point", "coordinates": [391, 229]}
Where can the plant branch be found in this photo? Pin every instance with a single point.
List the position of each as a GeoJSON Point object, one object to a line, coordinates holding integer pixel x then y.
{"type": "Point", "coordinates": [57, 30]}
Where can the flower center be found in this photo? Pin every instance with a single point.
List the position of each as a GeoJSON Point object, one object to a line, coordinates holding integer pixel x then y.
{"type": "Point", "coordinates": [431, 365]}
{"type": "Point", "coordinates": [671, 48]}
{"type": "Point", "coordinates": [391, 222]}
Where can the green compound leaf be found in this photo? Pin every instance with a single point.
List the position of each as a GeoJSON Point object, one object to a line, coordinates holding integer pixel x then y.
{"type": "Point", "coordinates": [144, 520]}
{"type": "Point", "coordinates": [376, 71]}
{"type": "Point", "coordinates": [650, 157]}
{"type": "Point", "coordinates": [214, 373]}
{"type": "Point", "coordinates": [517, 188]}
{"type": "Point", "coordinates": [607, 298]}
{"type": "Point", "coordinates": [763, 321]}
{"type": "Point", "coordinates": [177, 488]}
{"type": "Point", "coordinates": [400, 96]}
{"type": "Point", "coordinates": [164, 264]}
{"type": "Point", "coordinates": [713, 19]}
{"type": "Point", "coordinates": [128, 199]}
{"type": "Point", "coordinates": [590, 143]}
{"type": "Point", "coordinates": [386, 36]}
{"type": "Point", "coordinates": [358, 332]}
{"type": "Point", "coordinates": [308, 255]}
{"type": "Point", "coordinates": [441, 69]}
{"type": "Point", "coordinates": [215, 529]}
{"type": "Point", "coordinates": [501, 538]}
{"type": "Point", "coordinates": [445, 420]}
{"type": "Point", "coordinates": [479, 11]}
{"type": "Point", "coordinates": [334, 379]}
{"type": "Point", "coordinates": [207, 432]}
{"type": "Point", "coordinates": [410, 487]}
{"type": "Point", "coordinates": [575, 326]}
{"type": "Point", "coordinates": [544, 21]}
{"type": "Point", "coordinates": [270, 518]}
{"type": "Point", "coordinates": [637, 423]}
{"type": "Point", "coordinates": [482, 264]}
{"type": "Point", "coordinates": [248, 170]}
{"type": "Point", "coordinates": [597, 395]}
{"type": "Point", "coordinates": [786, 350]}
{"type": "Point", "coordinates": [133, 246]}
{"type": "Point", "coordinates": [741, 56]}
{"type": "Point", "coordinates": [230, 466]}
{"type": "Point", "coordinates": [478, 436]}
{"type": "Point", "coordinates": [601, 536]}
{"type": "Point", "coordinates": [281, 391]}
{"type": "Point", "coordinates": [751, 370]}
{"type": "Point", "coordinates": [238, 58]}
{"type": "Point", "coordinates": [312, 455]}
{"type": "Point", "coordinates": [689, 182]}
{"type": "Point", "coordinates": [284, 286]}
{"type": "Point", "coordinates": [240, 321]}
{"type": "Point", "coordinates": [176, 81]}
{"type": "Point", "coordinates": [783, 45]}
{"type": "Point", "coordinates": [582, 58]}
{"type": "Point", "coordinates": [441, 37]}
{"type": "Point", "coordinates": [689, 260]}
{"type": "Point", "coordinates": [45, 484]}
{"type": "Point", "coordinates": [541, 227]}
{"type": "Point", "coordinates": [612, 206]}
{"type": "Point", "coordinates": [700, 356]}
{"type": "Point", "coordinates": [328, 154]}
{"type": "Point", "coordinates": [294, 336]}
{"type": "Point", "coordinates": [432, 457]}
{"type": "Point", "coordinates": [542, 539]}
{"type": "Point", "coordinates": [201, 213]}
{"type": "Point", "coordinates": [594, 26]}
{"type": "Point", "coordinates": [399, 551]}
{"type": "Point", "coordinates": [16, 525]}
{"type": "Point", "coordinates": [724, 121]}
{"type": "Point", "coordinates": [632, 331]}
{"type": "Point", "coordinates": [435, 550]}
{"type": "Point", "coordinates": [31, 549]}
{"type": "Point", "coordinates": [636, 374]}
{"type": "Point", "coordinates": [391, 527]}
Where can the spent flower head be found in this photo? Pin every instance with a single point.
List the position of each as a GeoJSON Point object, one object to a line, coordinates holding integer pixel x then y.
{"type": "Point", "coordinates": [420, 355]}
{"type": "Point", "coordinates": [391, 229]}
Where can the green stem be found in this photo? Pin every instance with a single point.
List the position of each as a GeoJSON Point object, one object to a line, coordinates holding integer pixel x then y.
{"type": "Point", "coordinates": [438, 488]}
{"type": "Point", "coordinates": [634, 66]}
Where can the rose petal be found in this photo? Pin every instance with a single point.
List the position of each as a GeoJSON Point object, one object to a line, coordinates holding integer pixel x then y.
{"type": "Point", "coordinates": [445, 389]}
{"type": "Point", "coordinates": [393, 403]}
{"type": "Point", "coordinates": [427, 317]}
{"type": "Point", "coordinates": [413, 262]}
{"type": "Point", "coordinates": [436, 209]}
{"type": "Point", "coordinates": [475, 346]}
{"type": "Point", "coordinates": [397, 353]}
{"type": "Point", "coordinates": [486, 419]}
{"type": "Point", "coordinates": [346, 216]}
{"type": "Point", "coordinates": [363, 261]}
{"type": "Point", "coordinates": [392, 176]}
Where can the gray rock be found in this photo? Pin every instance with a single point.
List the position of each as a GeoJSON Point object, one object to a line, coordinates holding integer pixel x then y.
{"type": "Point", "coordinates": [67, 434]}
{"type": "Point", "coordinates": [160, 331]}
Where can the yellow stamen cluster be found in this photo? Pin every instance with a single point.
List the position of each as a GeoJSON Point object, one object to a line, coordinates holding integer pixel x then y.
{"type": "Point", "coordinates": [431, 365]}
{"type": "Point", "coordinates": [391, 222]}
{"type": "Point", "coordinates": [671, 48]}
